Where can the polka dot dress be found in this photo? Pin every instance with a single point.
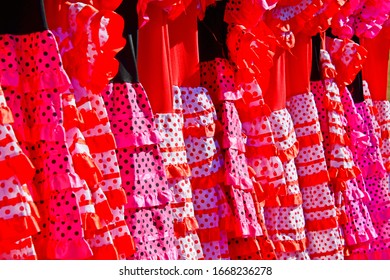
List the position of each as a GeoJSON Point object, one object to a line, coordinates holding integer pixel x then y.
{"type": "Point", "coordinates": [147, 212]}
{"type": "Point", "coordinates": [354, 217]}
{"type": "Point", "coordinates": [383, 119]}
{"type": "Point", "coordinates": [172, 147]}
{"type": "Point", "coordinates": [100, 240]}
{"type": "Point", "coordinates": [376, 179]}
{"type": "Point", "coordinates": [324, 238]}
{"type": "Point", "coordinates": [205, 159]}
{"type": "Point", "coordinates": [96, 130]}
{"type": "Point", "coordinates": [36, 96]}
{"type": "Point", "coordinates": [18, 213]}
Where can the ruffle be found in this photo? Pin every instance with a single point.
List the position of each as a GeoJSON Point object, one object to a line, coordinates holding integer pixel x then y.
{"type": "Point", "coordinates": [323, 224]}
{"type": "Point", "coordinates": [322, 19]}
{"type": "Point", "coordinates": [255, 112]}
{"type": "Point", "coordinates": [103, 210]}
{"type": "Point", "coordinates": [267, 151]}
{"type": "Point", "coordinates": [348, 58]}
{"type": "Point", "coordinates": [6, 116]}
{"type": "Point", "coordinates": [339, 139]}
{"type": "Point", "coordinates": [150, 200]}
{"type": "Point", "coordinates": [65, 249]}
{"type": "Point", "coordinates": [19, 166]}
{"type": "Point", "coordinates": [116, 198]}
{"type": "Point", "coordinates": [286, 246]}
{"type": "Point", "coordinates": [290, 153]}
{"type": "Point", "coordinates": [57, 183]}
{"type": "Point", "coordinates": [87, 169]}
{"type": "Point", "coordinates": [101, 143]}
{"type": "Point", "coordinates": [208, 131]}
{"type": "Point", "coordinates": [310, 140]}
{"type": "Point", "coordinates": [240, 247]}
{"type": "Point", "coordinates": [49, 132]}
{"type": "Point", "coordinates": [380, 216]}
{"type": "Point", "coordinates": [314, 179]}
{"type": "Point", "coordinates": [285, 27]}
{"type": "Point", "coordinates": [151, 137]}
{"type": "Point", "coordinates": [177, 170]}
{"type": "Point", "coordinates": [90, 119]}
{"type": "Point", "coordinates": [105, 252]}
{"type": "Point", "coordinates": [124, 244]}
{"type": "Point", "coordinates": [7, 246]}
{"type": "Point", "coordinates": [333, 105]}
{"type": "Point", "coordinates": [238, 182]}
{"type": "Point", "coordinates": [341, 175]}
{"type": "Point", "coordinates": [291, 200]}
{"type": "Point", "coordinates": [18, 227]}
{"type": "Point", "coordinates": [42, 81]}
{"type": "Point", "coordinates": [91, 223]}
{"type": "Point", "coordinates": [187, 225]}
{"type": "Point", "coordinates": [72, 117]}
{"type": "Point", "coordinates": [233, 142]}
{"type": "Point", "coordinates": [95, 38]}
{"type": "Point", "coordinates": [360, 237]}
{"type": "Point", "coordinates": [207, 182]}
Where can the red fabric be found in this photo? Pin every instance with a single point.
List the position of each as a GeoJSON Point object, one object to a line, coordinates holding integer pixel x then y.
{"type": "Point", "coordinates": [375, 69]}
{"type": "Point", "coordinates": [154, 60]}
{"type": "Point", "coordinates": [275, 94]}
{"type": "Point", "coordinates": [183, 40]}
{"type": "Point", "coordinates": [298, 66]}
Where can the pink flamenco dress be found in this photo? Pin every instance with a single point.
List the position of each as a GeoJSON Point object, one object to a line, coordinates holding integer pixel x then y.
{"type": "Point", "coordinates": [19, 215]}
{"type": "Point", "coordinates": [345, 175]}
{"type": "Point", "coordinates": [34, 87]}
{"type": "Point", "coordinates": [77, 27]}
{"type": "Point", "coordinates": [247, 236]}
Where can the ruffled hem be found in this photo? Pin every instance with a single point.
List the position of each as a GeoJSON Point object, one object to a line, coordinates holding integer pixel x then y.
{"type": "Point", "coordinates": [360, 237]}
{"type": "Point", "coordinates": [72, 117]}
{"type": "Point", "coordinates": [288, 246]}
{"type": "Point", "coordinates": [177, 170]}
{"type": "Point", "coordinates": [19, 166]}
{"type": "Point", "coordinates": [90, 119]}
{"type": "Point", "coordinates": [244, 247]}
{"type": "Point", "coordinates": [46, 132]}
{"type": "Point", "coordinates": [65, 249]}
{"type": "Point", "coordinates": [184, 227]}
{"type": "Point", "coordinates": [87, 169]}
{"type": "Point", "coordinates": [339, 139]}
{"type": "Point", "coordinates": [333, 105]}
{"type": "Point", "coordinates": [18, 228]}
{"type": "Point", "coordinates": [209, 235]}
{"type": "Point", "coordinates": [6, 116]}
{"type": "Point", "coordinates": [207, 182]}
{"type": "Point", "coordinates": [155, 199]}
{"type": "Point", "coordinates": [57, 182]}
